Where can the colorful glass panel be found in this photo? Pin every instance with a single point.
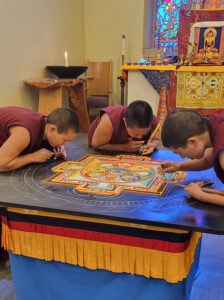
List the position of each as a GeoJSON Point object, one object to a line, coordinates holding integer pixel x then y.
{"type": "Point", "coordinates": [167, 22]}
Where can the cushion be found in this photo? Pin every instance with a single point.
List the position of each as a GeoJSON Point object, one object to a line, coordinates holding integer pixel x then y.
{"type": "Point", "coordinates": [97, 101]}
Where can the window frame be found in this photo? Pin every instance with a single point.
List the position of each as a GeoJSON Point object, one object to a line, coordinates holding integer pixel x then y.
{"type": "Point", "coordinates": [149, 51]}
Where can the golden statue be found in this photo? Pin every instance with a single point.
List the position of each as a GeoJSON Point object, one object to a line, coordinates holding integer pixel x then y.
{"type": "Point", "coordinates": [209, 38]}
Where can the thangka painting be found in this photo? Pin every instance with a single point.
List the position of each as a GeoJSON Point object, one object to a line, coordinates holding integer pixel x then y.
{"type": "Point", "coordinates": [200, 90]}
{"type": "Point", "coordinates": [209, 44]}
{"type": "Point", "coordinates": [189, 17]}
{"type": "Point", "coordinates": [110, 175]}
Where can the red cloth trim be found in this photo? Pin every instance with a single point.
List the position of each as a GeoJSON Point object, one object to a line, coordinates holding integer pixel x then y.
{"type": "Point", "coordinates": [100, 237]}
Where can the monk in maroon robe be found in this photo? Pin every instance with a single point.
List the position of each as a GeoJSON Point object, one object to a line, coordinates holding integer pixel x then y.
{"type": "Point", "coordinates": [124, 128]}
{"type": "Point", "coordinates": [28, 137]}
{"type": "Point", "coordinates": [188, 134]}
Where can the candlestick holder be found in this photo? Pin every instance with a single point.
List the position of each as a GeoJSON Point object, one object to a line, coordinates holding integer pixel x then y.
{"type": "Point", "coordinates": [67, 72]}
{"type": "Point", "coordinates": [158, 58]}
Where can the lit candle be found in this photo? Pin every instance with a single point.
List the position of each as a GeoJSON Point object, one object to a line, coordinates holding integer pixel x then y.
{"type": "Point", "coordinates": [66, 59]}
{"type": "Point", "coordinates": [123, 44]}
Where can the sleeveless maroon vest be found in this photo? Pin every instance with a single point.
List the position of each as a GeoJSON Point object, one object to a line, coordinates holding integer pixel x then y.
{"type": "Point", "coordinates": [116, 115]}
{"type": "Point", "coordinates": [216, 131]}
{"type": "Point", "coordinates": [33, 121]}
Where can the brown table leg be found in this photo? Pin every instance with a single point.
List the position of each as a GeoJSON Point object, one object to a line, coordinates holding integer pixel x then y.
{"type": "Point", "coordinates": [49, 99]}
{"type": "Point", "coordinates": [77, 102]}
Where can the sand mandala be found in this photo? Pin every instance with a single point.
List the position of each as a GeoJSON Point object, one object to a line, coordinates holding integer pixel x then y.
{"type": "Point", "coordinates": [110, 175]}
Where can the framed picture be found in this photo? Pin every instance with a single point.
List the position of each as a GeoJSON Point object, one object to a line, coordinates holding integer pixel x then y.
{"type": "Point", "coordinates": [209, 44]}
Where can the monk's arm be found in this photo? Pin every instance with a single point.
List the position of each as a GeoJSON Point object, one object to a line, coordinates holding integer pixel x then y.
{"type": "Point", "coordinates": [155, 141]}
{"type": "Point", "coordinates": [154, 144]}
{"type": "Point", "coordinates": [198, 164]}
{"type": "Point", "coordinates": [190, 165]}
{"type": "Point", "coordinates": [195, 190]}
{"type": "Point", "coordinates": [213, 198]}
{"type": "Point", "coordinates": [103, 134]}
{"type": "Point", "coordinates": [17, 142]}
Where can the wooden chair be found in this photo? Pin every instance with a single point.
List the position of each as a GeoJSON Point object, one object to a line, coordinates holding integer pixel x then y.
{"type": "Point", "coordinates": [98, 92]}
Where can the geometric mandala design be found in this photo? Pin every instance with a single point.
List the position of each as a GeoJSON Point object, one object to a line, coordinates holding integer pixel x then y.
{"type": "Point", "coordinates": [110, 175]}
{"type": "Point", "coordinates": [200, 90]}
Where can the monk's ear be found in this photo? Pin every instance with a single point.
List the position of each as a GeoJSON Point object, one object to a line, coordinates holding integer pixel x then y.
{"type": "Point", "coordinates": [125, 122]}
{"type": "Point", "coordinates": [192, 141]}
{"type": "Point", "coordinates": [53, 127]}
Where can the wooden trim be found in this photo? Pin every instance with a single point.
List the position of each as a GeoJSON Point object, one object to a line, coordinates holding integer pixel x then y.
{"type": "Point", "coordinates": [49, 99]}
{"type": "Point", "coordinates": [149, 23]}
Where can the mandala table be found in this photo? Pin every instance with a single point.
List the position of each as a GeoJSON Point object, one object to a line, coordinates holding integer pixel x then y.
{"type": "Point", "coordinates": [73, 244]}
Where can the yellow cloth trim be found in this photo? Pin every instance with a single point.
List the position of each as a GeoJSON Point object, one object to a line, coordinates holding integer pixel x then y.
{"type": "Point", "coordinates": [172, 267]}
{"type": "Point", "coordinates": [211, 69]}
{"type": "Point", "coordinates": [156, 67]}
{"type": "Point", "coordinates": [95, 220]}
{"type": "Point", "coordinates": [197, 69]}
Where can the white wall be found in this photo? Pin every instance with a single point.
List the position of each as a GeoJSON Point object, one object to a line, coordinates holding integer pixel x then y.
{"type": "Point", "coordinates": [105, 23]}
{"type": "Point", "coordinates": [35, 34]}
{"type": "Point", "coordinates": [140, 89]}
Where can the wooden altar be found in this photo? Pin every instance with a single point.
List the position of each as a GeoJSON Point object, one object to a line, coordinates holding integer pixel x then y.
{"type": "Point", "coordinates": [51, 96]}
{"type": "Point", "coordinates": [192, 87]}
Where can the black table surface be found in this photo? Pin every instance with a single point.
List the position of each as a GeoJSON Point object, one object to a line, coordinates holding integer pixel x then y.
{"type": "Point", "coordinates": [26, 188]}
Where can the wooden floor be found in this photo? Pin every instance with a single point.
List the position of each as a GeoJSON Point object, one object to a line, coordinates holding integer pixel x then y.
{"type": "Point", "coordinates": [208, 286]}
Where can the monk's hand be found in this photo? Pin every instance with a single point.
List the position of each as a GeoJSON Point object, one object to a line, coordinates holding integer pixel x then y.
{"type": "Point", "coordinates": [170, 166]}
{"type": "Point", "coordinates": [194, 190]}
{"type": "Point", "coordinates": [59, 152]}
{"type": "Point", "coordinates": [161, 172]}
{"type": "Point", "coordinates": [41, 155]}
{"type": "Point", "coordinates": [133, 146]}
{"type": "Point", "coordinates": [147, 149]}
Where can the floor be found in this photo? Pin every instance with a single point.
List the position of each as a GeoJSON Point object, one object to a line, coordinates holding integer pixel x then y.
{"type": "Point", "coordinates": [6, 285]}
{"type": "Point", "coordinates": [208, 286]}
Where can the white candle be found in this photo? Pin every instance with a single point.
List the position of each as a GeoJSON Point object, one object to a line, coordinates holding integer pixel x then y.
{"type": "Point", "coordinates": [66, 59]}
{"type": "Point", "coordinates": [123, 44]}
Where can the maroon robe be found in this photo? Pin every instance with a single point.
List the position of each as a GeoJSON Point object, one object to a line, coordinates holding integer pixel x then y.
{"type": "Point", "coordinates": [216, 131]}
{"type": "Point", "coordinates": [120, 134]}
{"type": "Point", "coordinates": [33, 121]}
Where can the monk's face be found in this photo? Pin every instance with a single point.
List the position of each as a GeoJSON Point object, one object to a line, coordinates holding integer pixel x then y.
{"type": "Point", "coordinates": [57, 139]}
{"type": "Point", "coordinates": [194, 149]}
{"type": "Point", "coordinates": [136, 132]}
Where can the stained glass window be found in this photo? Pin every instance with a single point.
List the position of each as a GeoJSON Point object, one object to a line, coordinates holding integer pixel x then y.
{"type": "Point", "coordinates": [167, 22]}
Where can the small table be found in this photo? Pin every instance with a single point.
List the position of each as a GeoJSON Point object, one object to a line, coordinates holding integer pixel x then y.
{"type": "Point", "coordinates": [51, 96]}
